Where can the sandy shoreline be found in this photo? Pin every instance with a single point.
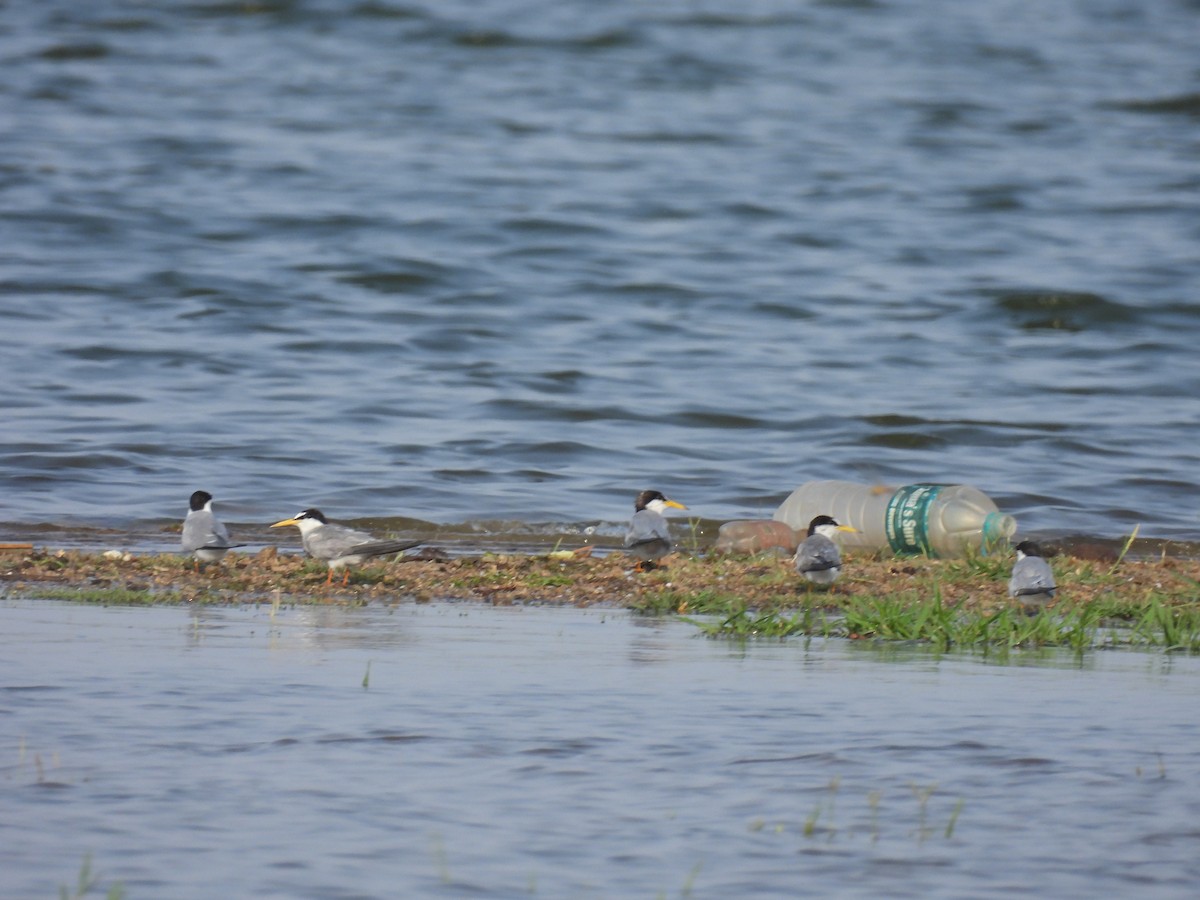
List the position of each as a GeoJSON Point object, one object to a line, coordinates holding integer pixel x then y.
{"type": "Point", "coordinates": [764, 582]}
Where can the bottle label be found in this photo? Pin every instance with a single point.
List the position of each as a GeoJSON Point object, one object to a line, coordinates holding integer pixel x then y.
{"type": "Point", "coordinates": [907, 518]}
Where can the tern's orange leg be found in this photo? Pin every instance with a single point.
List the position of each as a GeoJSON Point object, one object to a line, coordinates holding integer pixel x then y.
{"type": "Point", "coordinates": [329, 577]}
{"type": "Point", "coordinates": [345, 576]}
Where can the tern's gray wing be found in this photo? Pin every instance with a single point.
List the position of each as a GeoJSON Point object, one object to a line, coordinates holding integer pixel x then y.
{"type": "Point", "coordinates": [331, 541]}
{"type": "Point", "coordinates": [1031, 575]}
{"type": "Point", "coordinates": [647, 527]}
{"type": "Point", "coordinates": [383, 548]}
{"type": "Point", "coordinates": [817, 553]}
{"type": "Point", "coordinates": [202, 530]}
{"type": "Point", "coordinates": [337, 541]}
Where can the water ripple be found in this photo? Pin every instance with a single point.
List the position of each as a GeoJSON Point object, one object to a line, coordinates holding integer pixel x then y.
{"type": "Point", "coordinates": [617, 245]}
{"type": "Point", "coordinates": [1179, 104]}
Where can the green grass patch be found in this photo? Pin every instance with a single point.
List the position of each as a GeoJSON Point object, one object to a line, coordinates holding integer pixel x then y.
{"type": "Point", "coordinates": [914, 618]}
{"type": "Point", "coordinates": [549, 579]}
{"type": "Point", "coordinates": [1171, 628]}
{"type": "Point", "coordinates": [107, 596]}
{"type": "Point", "coordinates": [367, 575]}
{"type": "Point", "coordinates": [698, 603]}
{"type": "Point", "coordinates": [739, 622]}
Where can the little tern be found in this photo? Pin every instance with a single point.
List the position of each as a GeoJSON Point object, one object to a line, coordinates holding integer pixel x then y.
{"type": "Point", "coordinates": [1032, 581]}
{"type": "Point", "coordinates": [204, 536]}
{"type": "Point", "coordinates": [338, 545]}
{"type": "Point", "coordinates": [817, 558]}
{"type": "Point", "coordinates": [649, 535]}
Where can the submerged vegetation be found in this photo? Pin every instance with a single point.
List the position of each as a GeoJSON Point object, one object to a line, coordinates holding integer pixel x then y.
{"type": "Point", "coordinates": [86, 881]}
{"type": "Point", "coordinates": [943, 604]}
{"type": "Point", "coordinates": [824, 822]}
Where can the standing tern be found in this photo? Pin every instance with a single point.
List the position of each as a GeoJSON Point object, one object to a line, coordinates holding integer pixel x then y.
{"type": "Point", "coordinates": [817, 558]}
{"type": "Point", "coordinates": [204, 536]}
{"type": "Point", "coordinates": [338, 545]}
{"type": "Point", "coordinates": [1032, 581]}
{"type": "Point", "coordinates": [649, 535]}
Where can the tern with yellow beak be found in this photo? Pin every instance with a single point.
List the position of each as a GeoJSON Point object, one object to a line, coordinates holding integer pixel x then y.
{"type": "Point", "coordinates": [817, 558]}
{"type": "Point", "coordinates": [649, 535]}
{"type": "Point", "coordinates": [338, 545]}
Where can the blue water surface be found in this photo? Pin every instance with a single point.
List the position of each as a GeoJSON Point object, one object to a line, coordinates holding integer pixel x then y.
{"type": "Point", "coordinates": [515, 261]}
{"type": "Point", "coordinates": [456, 750]}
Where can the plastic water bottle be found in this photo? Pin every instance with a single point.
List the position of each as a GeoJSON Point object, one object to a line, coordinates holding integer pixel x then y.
{"type": "Point", "coordinates": [934, 519]}
{"type": "Point", "coordinates": [756, 536]}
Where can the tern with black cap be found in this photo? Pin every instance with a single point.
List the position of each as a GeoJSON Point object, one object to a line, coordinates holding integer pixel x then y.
{"type": "Point", "coordinates": [204, 536]}
{"type": "Point", "coordinates": [1032, 582]}
{"type": "Point", "coordinates": [818, 559]}
{"type": "Point", "coordinates": [338, 545]}
{"type": "Point", "coordinates": [649, 535]}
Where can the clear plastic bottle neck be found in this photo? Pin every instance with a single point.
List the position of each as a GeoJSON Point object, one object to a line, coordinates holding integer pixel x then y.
{"type": "Point", "coordinates": [998, 528]}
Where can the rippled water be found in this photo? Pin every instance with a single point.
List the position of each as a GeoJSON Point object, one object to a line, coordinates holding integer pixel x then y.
{"type": "Point", "coordinates": [568, 753]}
{"type": "Point", "coordinates": [513, 261]}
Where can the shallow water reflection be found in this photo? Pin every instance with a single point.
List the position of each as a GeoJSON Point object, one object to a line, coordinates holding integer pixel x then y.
{"type": "Point", "coordinates": [448, 750]}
